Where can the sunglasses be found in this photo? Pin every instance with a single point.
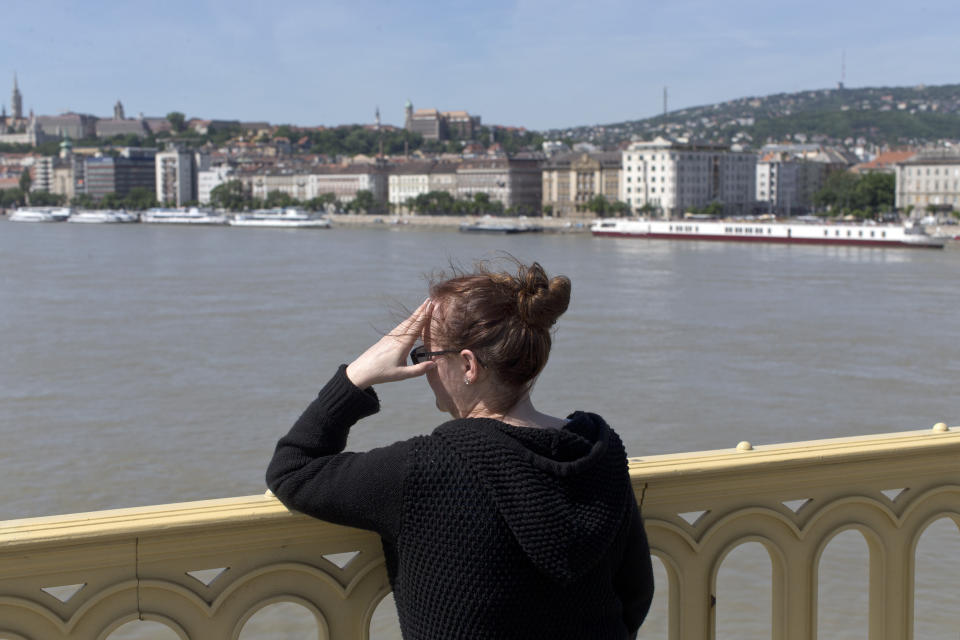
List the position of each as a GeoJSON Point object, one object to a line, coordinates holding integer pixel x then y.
{"type": "Point", "coordinates": [420, 354]}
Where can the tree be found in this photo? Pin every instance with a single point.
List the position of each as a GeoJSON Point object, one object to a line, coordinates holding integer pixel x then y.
{"type": "Point", "coordinates": [25, 180]}
{"type": "Point", "coordinates": [598, 205]}
{"type": "Point", "coordinates": [83, 201]}
{"type": "Point", "coordinates": [177, 120]}
{"type": "Point", "coordinates": [230, 196]}
{"type": "Point", "coordinates": [111, 201]}
{"type": "Point", "coordinates": [845, 193]}
{"type": "Point", "coordinates": [647, 209]}
{"type": "Point", "coordinates": [11, 198]}
{"type": "Point", "coordinates": [139, 198]}
{"type": "Point", "coordinates": [363, 201]}
{"type": "Point", "coordinates": [279, 198]}
{"type": "Point", "coordinates": [47, 199]}
{"type": "Point", "coordinates": [322, 202]}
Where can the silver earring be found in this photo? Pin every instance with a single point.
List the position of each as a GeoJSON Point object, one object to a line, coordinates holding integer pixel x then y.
{"type": "Point", "coordinates": [466, 380]}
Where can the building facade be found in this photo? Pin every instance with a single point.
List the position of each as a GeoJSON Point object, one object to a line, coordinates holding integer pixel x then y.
{"type": "Point", "coordinates": [786, 185]}
{"type": "Point", "coordinates": [69, 125]}
{"type": "Point", "coordinates": [929, 183]}
{"type": "Point", "coordinates": [411, 179]}
{"type": "Point", "coordinates": [571, 180]}
{"type": "Point", "coordinates": [117, 127]}
{"type": "Point", "coordinates": [345, 181]}
{"type": "Point", "coordinates": [175, 177]}
{"type": "Point", "coordinates": [670, 178]}
{"type": "Point", "coordinates": [210, 179]}
{"type": "Point", "coordinates": [433, 124]}
{"type": "Point", "coordinates": [514, 182]}
{"type": "Point", "coordinates": [121, 174]}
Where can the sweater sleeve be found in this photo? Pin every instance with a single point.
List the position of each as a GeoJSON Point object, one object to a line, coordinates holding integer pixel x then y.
{"type": "Point", "coordinates": [634, 580]}
{"type": "Point", "coordinates": [310, 473]}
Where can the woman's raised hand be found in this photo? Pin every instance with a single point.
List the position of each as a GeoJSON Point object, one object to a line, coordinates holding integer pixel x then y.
{"type": "Point", "coordinates": [386, 361]}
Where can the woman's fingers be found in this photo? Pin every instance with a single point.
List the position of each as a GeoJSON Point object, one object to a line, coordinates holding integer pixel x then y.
{"type": "Point", "coordinates": [411, 326]}
{"type": "Point", "coordinates": [385, 361]}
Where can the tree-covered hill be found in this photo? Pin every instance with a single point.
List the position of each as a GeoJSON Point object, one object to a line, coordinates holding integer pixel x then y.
{"type": "Point", "coordinates": [872, 115]}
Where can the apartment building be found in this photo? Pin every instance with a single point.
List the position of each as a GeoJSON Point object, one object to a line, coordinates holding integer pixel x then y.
{"type": "Point", "coordinates": [673, 177]}
{"type": "Point", "coordinates": [515, 182]}
{"type": "Point", "coordinates": [210, 179]}
{"type": "Point", "coordinates": [175, 177]}
{"type": "Point", "coordinates": [411, 179]}
{"type": "Point", "coordinates": [929, 182]}
{"type": "Point", "coordinates": [786, 184]}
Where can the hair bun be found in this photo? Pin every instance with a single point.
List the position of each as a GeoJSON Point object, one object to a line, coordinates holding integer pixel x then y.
{"type": "Point", "coordinates": [541, 300]}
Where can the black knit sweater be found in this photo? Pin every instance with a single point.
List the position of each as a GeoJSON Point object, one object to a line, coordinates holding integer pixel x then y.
{"type": "Point", "coordinates": [489, 530]}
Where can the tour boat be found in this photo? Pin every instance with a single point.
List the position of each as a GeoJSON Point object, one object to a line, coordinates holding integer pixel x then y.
{"type": "Point", "coordinates": [284, 218]}
{"type": "Point", "coordinates": [101, 216]}
{"type": "Point", "coordinates": [488, 224]}
{"type": "Point", "coordinates": [193, 215]}
{"type": "Point", "coordinates": [840, 233]}
{"type": "Point", "coordinates": [39, 214]}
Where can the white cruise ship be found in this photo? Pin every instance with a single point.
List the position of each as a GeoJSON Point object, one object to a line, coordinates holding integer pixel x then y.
{"type": "Point", "coordinates": [102, 216]}
{"type": "Point", "coordinates": [192, 215]}
{"type": "Point", "coordinates": [39, 214]}
{"type": "Point", "coordinates": [840, 233]}
{"type": "Point", "coordinates": [284, 218]}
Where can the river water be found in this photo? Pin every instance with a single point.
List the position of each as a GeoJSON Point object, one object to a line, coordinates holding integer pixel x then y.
{"type": "Point", "coordinates": [144, 364]}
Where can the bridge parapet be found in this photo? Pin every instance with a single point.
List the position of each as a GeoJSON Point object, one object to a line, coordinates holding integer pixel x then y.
{"type": "Point", "coordinates": [205, 568]}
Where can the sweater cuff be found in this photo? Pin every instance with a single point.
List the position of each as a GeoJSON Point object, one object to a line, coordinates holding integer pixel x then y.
{"type": "Point", "coordinates": [345, 402]}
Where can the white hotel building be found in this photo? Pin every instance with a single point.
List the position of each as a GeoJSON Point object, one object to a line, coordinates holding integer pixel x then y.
{"type": "Point", "coordinates": [674, 177]}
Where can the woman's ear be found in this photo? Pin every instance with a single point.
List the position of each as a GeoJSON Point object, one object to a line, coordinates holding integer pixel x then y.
{"type": "Point", "coordinates": [471, 367]}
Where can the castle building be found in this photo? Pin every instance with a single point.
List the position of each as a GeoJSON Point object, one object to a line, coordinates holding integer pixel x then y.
{"type": "Point", "coordinates": [439, 125]}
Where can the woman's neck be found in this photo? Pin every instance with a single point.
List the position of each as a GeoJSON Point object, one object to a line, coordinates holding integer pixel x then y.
{"type": "Point", "coordinates": [522, 414]}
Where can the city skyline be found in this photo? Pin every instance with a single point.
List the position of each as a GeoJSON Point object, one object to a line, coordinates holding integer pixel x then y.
{"type": "Point", "coordinates": [523, 63]}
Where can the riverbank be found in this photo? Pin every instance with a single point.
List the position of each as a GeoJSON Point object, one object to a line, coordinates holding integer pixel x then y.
{"type": "Point", "coordinates": [550, 225]}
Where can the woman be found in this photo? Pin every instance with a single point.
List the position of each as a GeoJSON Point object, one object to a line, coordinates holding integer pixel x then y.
{"type": "Point", "coordinates": [504, 522]}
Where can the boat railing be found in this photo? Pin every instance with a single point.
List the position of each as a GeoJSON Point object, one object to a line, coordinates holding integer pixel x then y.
{"type": "Point", "coordinates": [204, 569]}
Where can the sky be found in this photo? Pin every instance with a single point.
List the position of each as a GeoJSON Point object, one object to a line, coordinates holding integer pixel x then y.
{"type": "Point", "coordinates": [531, 63]}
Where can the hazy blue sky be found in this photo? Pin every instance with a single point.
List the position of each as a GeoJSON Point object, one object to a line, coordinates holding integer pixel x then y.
{"type": "Point", "coordinates": [530, 63]}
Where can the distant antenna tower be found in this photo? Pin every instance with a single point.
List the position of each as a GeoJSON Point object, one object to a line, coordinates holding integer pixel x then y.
{"type": "Point", "coordinates": [664, 102]}
{"type": "Point", "coordinates": [843, 69]}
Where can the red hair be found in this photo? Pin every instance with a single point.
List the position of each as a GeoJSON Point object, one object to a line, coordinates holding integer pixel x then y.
{"type": "Point", "coordinates": [504, 319]}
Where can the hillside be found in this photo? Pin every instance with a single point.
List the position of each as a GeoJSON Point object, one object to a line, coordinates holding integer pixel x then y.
{"type": "Point", "coordinates": [889, 116]}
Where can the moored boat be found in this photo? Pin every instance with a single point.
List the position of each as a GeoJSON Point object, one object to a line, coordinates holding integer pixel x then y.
{"type": "Point", "coordinates": [192, 215]}
{"type": "Point", "coordinates": [39, 214]}
{"type": "Point", "coordinates": [103, 216]}
{"type": "Point", "coordinates": [283, 218]}
{"type": "Point", "coordinates": [488, 224]}
{"type": "Point", "coordinates": [854, 234]}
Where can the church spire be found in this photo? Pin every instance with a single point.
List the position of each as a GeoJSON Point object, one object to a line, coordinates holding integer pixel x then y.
{"type": "Point", "coordinates": [16, 100]}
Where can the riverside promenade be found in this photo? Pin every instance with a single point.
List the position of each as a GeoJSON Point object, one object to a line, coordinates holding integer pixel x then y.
{"type": "Point", "coordinates": [203, 569]}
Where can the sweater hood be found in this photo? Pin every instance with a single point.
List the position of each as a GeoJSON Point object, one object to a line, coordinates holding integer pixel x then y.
{"type": "Point", "coordinates": [563, 493]}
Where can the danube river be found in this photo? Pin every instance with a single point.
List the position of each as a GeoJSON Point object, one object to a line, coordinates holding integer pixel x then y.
{"type": "Point", "coordinates": [146, 364]}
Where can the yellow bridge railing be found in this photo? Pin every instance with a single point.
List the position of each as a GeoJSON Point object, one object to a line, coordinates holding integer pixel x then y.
{"type": "Point", "coordinates": [203, 569]}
